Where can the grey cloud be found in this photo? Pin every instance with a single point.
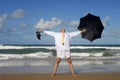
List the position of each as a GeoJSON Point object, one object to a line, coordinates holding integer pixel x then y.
{"type": "Point", "coordinates": [74, 23]}
{"type": "Point", "coordinates": [3, 19]}
{"type": "Point", "coordinates": [18, 14]}
{"type": "Point", "coordinates": [54, 22]}
{"type": "Point", "coordinates": [105, 21]}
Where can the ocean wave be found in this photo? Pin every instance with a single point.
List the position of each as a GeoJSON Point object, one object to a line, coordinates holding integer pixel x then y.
{"type": "Point", "coordinates": [25, 47]}
{"type": "Point", "coordinates": [53, 47]}
{"type": "Point", "coordinates": [77, 62]}
{"type": "Point", "coordinates": [86, 54]}
{"type": "Point", "coordinates": [10, 51]}
{"type": "Point", "coordinates": [50, 54]}
{"type": "Point", "coordinates": [23, 63]}
{"type": "Point", "coordinates": [31, 55]}
{"type": "Point", "coordinates": [94, 47]}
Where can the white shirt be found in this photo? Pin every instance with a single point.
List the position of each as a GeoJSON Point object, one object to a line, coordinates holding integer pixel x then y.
{"type": "Point", "coordinates": [58, 39]}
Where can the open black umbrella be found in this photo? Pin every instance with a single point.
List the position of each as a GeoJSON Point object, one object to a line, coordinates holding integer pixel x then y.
{"type": "Point", "coordinates": [93, 25]}
{"type": "Point", "coordinates": [38, 35]}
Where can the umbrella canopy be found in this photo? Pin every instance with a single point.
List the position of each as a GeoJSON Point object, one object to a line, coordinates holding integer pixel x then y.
{"type": "Point", "coordinates": [93, 26]}
{"type": "Point", "coordinates": [38, 35]}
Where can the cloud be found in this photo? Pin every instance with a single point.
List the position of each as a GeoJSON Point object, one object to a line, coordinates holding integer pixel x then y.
{"type": "Point", "coordinates": [111, 30]}
{"type": "Point", "coordinates": [23, 25]}
{"type": "Point", "coordinates": [18, 14]}
{"type": "Point", "coordinates": [18, 27]}
{"type": "Point", "coordinates": [42, 24]}
{"type": "Point", "coordinates": [6, 17]}
{"type": "Point", "coordinates": [3, 19]}
{"type": "Point", "coordinates": [105, 21]}
{"type": "Point", "coordinates": [74, 23]}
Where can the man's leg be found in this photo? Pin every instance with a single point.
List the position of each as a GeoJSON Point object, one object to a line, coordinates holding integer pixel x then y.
{"type": "Point", "coordinates": [71, 66]}
{"type": "Point", "coordinates": [56, 66]}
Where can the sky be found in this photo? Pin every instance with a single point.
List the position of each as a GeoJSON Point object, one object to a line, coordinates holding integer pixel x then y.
{"type": "Point", "coordinates": [20, 19]}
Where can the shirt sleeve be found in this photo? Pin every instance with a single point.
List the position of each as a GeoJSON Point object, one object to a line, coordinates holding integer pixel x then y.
{"type": "Point", "coordinates": [50, 33]}
{"type": "Point", "coordinates": [73, 34]}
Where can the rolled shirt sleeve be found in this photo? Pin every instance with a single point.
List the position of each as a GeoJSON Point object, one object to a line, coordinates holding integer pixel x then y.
{"type": "Point", "coordinates": [73, 34]}
{"type": "Point", "coordinates": [50, 33]}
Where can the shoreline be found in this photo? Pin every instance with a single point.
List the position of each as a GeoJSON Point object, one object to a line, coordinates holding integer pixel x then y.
{"type": "Point", "coordinates": [80, 76]}
{"type": "Point", "coordinates": [42, 66]}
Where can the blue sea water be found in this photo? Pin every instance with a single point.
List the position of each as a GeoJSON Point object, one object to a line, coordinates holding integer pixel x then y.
{"type": "Point", "coordinates": [41, 58]}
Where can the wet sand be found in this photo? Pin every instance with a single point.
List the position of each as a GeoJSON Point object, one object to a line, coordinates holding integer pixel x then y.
{"type": "Point", "coordinates": [80, 76]}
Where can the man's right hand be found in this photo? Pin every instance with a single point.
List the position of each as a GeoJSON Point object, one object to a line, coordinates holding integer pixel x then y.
{"type": "Point", "coordinates": [84, 30]}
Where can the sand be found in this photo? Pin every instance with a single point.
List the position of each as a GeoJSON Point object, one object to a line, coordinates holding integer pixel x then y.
{"type": "Point", "coordinates": [80, 76]}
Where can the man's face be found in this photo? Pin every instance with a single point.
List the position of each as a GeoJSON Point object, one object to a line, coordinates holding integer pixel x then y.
{"type": "Point", "coordinates": [62, 30]}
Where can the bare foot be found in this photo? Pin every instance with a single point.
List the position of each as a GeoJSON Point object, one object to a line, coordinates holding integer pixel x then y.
{"type": "Point", "coordinates": [53, 75]}
{"type": "Point", "coordinates": [74, 75]}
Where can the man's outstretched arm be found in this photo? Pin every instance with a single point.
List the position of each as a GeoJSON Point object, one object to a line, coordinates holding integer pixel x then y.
{"type": "Point", "coordinates": [73, 34]}
{"type": "Point", "coordinates": [50, 33]}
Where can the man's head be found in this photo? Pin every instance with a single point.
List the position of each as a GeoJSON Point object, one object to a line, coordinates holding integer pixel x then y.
{"type": "Point", "coordinates": [62, 30]}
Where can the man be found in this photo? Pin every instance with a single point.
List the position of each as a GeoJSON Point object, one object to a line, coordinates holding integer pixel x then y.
{"type": "Point", "coordinates": [62, 44]}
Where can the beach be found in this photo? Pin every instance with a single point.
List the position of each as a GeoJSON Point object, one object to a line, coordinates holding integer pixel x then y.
{"type": "Point", "coordinates": [80, 76]}
{"type": "Point", "coordinates": [33, 62]}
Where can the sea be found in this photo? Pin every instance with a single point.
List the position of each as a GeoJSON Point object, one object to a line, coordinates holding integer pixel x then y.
{"type": "Point", "coordinates": [41, 59]}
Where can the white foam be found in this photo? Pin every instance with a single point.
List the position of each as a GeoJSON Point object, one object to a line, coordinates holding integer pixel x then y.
{"type": "Point", "coordinates": [86, 54]}
{"type": "Point", "coordinates": [94, 47]}
{"type": "Point", "coordinates": [49, 54]}
{"type": "Point", "coordinates": [53, 47]}
{"type": "Point", "coordinates": [38, 55]}
{"type": "Point", "coordinates": [30, 55]}
{"type": "Point", "coordinates": [25, 47]}
{"type": "Point", "coordinates": [22, 63]}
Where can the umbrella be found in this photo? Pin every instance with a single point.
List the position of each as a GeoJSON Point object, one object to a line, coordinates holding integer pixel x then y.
{"type": "Point", "coordinates": [93, 26]}
{"type": "Point", "coordinates": [38, 35]}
